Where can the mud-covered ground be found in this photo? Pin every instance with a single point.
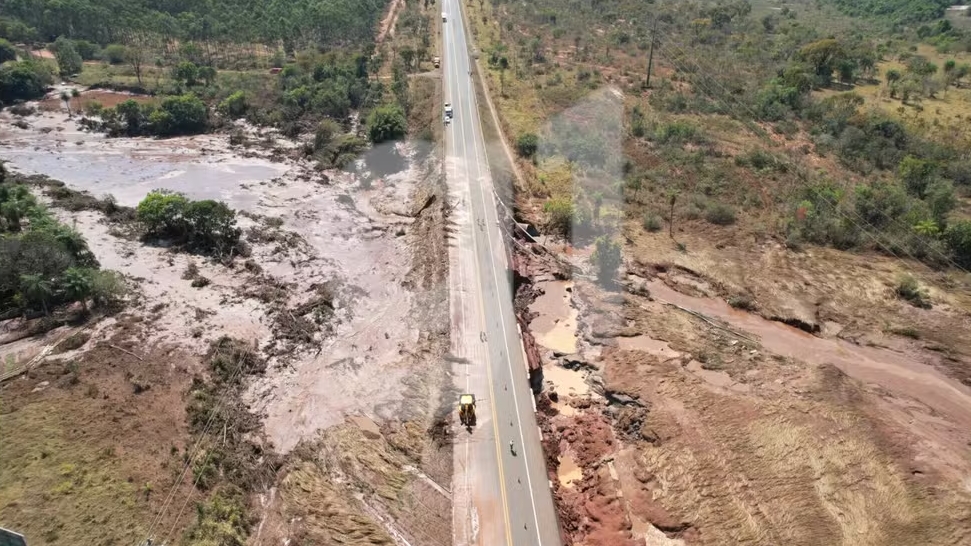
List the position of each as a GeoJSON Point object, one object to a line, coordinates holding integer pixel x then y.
{"type": "Point", "coordinates": [678, 419]}
{"type": "Point", "coordinates": [344, 294]}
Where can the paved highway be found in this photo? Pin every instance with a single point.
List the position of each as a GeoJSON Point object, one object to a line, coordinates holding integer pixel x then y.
{"type": "Point", "coordinates": [499, 498]}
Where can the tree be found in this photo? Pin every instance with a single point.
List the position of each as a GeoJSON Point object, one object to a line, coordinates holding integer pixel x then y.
{"type": "Point", "coordinates": [66, 99]}
{"type": "Point", "coordinates": [162, 213]}
{"type": "Point", "coordinates": [87, 50]}
{"type": "Point", "coordinates": [868, 65]}
{"type": "Point", "coordinates": [324, 136]}
{"type": "Point", "coordinates": [823, 56]}
{"type": "Point", "coordinates": [386, 122]}
{"type": "Point", "coordinates": [408, 55]}
{"type": "Point", "coordinates": [76, 95]}
{"type": "Point", "coordinates": [920, 66]}
{"type": "Point", "coordinates": [940, 198]}
{"type": "Point", "coordinates": [208, 74]}
{"type": "Point", "coordinates": [950, 70]}
{"type": "Point", "coordinates": [74, 243]}
{"type": "Point", "coordinates": [527, 145]}
{"type": "Point", "coordinates": [211, 226]}
{"type": "Point", "coordinates": [183, 115]}
{"type": "Point", "coordinates": [107, 287]}
{"type": "Point", "coordinates": [234, 105]}
{"type": "Point", "coordinates": [957, 237]}
{"type": "Point", "coordinates": [916, 174]}
{"type": "Point", "coordinates": [15, 203]}
{"type": "Point", "coordinates": [69, 60]}
{"type": "Point", "coordinates": [847, 70]}
{"type": "Point", "coordinates": [962, 69]}
{"type": "Point", "coordinates": [135, 57]}
{"type": "Point", "coordinates": [879, 204]}
{"type": "Point", "coordinates": [561, 215]}
{"type": "Point", "coordinates": [186, 72]}
{"type": "Point", "coordinates": [607, 258]}
{"type": "Point", "coordinates": [115, 54]}
{"type": "Point", "coordinates": [77, 285]}
{"type": "Point", "coordinates": [892, 76]}
{"type": "Point", "coordinates": [36, 289]}
{"type": "Point", "coordinates": [7, 52]}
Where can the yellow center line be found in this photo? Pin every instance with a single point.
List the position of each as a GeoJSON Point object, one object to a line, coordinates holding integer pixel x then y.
{"type": "Point", "coordinates": [475, 250]}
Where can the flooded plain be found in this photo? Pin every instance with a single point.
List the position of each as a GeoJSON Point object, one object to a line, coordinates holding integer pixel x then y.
{"type": "Point", "coordinates": [351, 223]}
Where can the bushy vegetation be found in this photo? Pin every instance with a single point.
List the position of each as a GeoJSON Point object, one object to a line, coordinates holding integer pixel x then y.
{"type": "Point", "coordinates": [729, 80]}
{"type": "Point", "coordinates": [23, 80]}
{"type": "Point", "coordinates": [300, 24]}
{"type": "Point", "coordinates": [181, 115]}
{"type": "Point", "coordinates": [43, 263]}
{"type": "Point", "coordinates": [203, 226]}
{"type": "Point", "coordinates": [908, 289]}
{"type": "Point", "coordinates": [607, 258]}
{"type": "Point", "coordinates": [7, 52]}
{"type": "Point", "coordinates": [527, 145]}
{"type": "Point", "coordinates": [239, 462]}
{"type": "Point", "coordinates": [651, 222]}
{"type": "Point", "coordinates": [386, 122]}
{"type": "Point", "coordinates": [897, 11]}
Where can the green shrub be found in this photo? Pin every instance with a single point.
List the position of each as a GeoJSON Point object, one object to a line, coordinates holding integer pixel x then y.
{"type": "Point", "coordinates": [651, 222]}
{"type": "Point", "coordinates": [327, 130]}
{"type": "Point", "coordinates": [114, 53]}
{"type": "Point", "coordinates": [234, 105]}
{"type": "Point", "coordinates": [908, 289]}
{"type": "Point", "coordinates": [187, 115]}
{"type": "Point", "coordinates": [677, 132]}
{"type": "Point", "coordinates": [607, 258]}
{"type": "Point", "coordinates": [186, 72]}
{"type": "Point", "coordinates": [87, 50]}
{"type": "Point", "coordinates": [762, 160]}
{"type": "Point", "coordinates": [386, 122]}
{"type": "Point", "coordinates": [342, 151]}
{"type": "Point", "coordinates": [720, 214]}
{"type": "Point", "coordinates": [23, 80]}
{"type": "Point", "coordinates": [206, 226]}
{"type": "Point", "coordinates": [560, 215]}
{"type": "Point", "coordinates": [7, 52]}
{"type": "Point", "coordinates": [957, 237]}
{"type": "Point", "coordinates": [527, 145]}
{"type": "Point", "coordinates": [46, 266]}
{"type": "Point", "coordinates": [69, 62]}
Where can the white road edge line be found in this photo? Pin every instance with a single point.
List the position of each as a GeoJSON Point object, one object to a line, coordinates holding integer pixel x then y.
{"type": "Point", "coordinates": [477, 132]}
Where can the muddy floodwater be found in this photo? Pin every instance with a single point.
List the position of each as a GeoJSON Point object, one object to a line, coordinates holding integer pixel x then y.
{"type": "Point", "coordinates": [352, 223]}
{"type": "Point", "coordinates": [555, 325]}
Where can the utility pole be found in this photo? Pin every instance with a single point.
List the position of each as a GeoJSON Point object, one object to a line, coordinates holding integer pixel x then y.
{"type": "Point", "coordinates": [650, 58]}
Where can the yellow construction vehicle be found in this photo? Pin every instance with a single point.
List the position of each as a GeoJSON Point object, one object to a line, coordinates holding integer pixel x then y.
{"type": "Point", "coordinates": [467, 410]}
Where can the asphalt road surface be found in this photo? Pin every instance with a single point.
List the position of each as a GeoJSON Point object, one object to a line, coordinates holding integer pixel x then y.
{"type": "Point", "coordinates": [501, 496]}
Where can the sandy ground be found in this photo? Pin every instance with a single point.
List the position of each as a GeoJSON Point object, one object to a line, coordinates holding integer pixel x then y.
{"type": "Point", "coordinates": [665, 428]}
{"type": "Point", "coordinates": [351, 228]}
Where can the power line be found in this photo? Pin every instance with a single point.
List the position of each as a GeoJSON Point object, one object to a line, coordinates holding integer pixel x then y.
{"type": "Point", "coordinates": [195, 450]}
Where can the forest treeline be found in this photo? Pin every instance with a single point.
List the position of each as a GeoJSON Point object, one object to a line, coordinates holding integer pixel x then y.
{"type": "Point", "coordinates": [295, 23]}
{"type": "Point", "coordinates": [898, 12]}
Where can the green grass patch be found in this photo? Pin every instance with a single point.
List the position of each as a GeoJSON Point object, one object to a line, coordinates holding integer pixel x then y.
{"type": "Point", "coordinates": [58, 488]}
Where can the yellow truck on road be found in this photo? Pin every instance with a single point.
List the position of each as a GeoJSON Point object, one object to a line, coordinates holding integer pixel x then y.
{"type": "Point", "coordinates": [467, 410]}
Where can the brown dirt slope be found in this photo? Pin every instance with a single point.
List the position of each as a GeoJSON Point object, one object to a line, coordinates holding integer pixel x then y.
{"type": "Point", "coordinates": [90, 443]}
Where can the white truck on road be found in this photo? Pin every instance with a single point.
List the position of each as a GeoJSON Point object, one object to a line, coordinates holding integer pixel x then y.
{"type": "Point", "coordinates": [444, 17]}
{"type": "Point", "coordinates": [448, 113]}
